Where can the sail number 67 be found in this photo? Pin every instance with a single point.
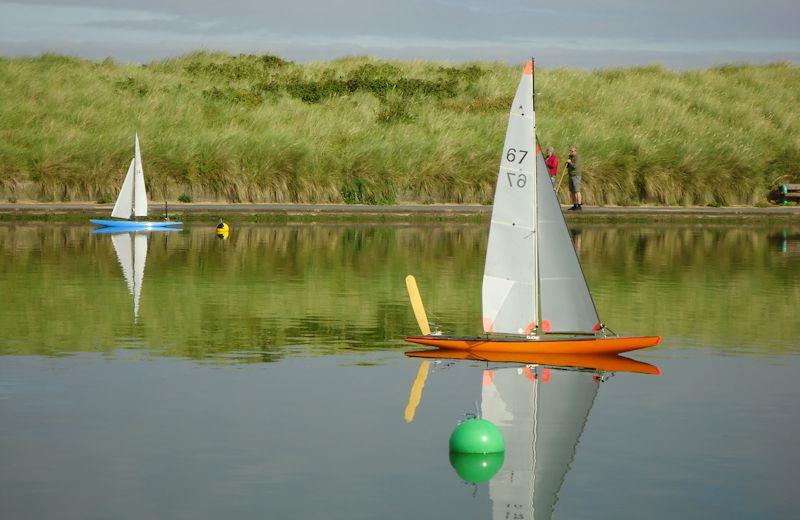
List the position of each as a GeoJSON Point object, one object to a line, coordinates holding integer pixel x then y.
{"type": "Point", "coordinates": [511, 155]}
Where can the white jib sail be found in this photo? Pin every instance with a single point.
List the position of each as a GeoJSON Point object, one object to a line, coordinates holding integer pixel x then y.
{"type": "Point", "coordinates": [139, 192]}
{"type": "Point", "coordinates": [509, 276]}
{"type": "Point", "coordinates": [123, 206]}
{"type": "Point", "coordinates": [566, 303]}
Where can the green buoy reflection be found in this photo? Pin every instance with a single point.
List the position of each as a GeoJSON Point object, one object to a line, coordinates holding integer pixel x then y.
{"type": "Point", "coordinates": [476, 467]}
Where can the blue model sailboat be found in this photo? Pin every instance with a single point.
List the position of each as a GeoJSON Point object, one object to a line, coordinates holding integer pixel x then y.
{"type": "Point", "coordinates": [132, 200]}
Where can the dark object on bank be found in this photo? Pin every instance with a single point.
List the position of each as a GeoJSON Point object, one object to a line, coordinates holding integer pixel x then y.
{"type": "Point", "coordinates": [785, 193]}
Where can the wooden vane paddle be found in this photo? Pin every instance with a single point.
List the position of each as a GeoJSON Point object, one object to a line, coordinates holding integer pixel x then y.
{"type": "Point", "coordinates": [416, 304]}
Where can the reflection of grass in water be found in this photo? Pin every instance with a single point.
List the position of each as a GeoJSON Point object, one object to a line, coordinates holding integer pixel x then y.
{"type": "Point", "coordinates": [256, 128]}
{"type": "Point", "coordinates": [271, 291]}
{"type": "Point", "coordinates": [716, 286]}
{"type": "Point", "coordinates": [266, 289]}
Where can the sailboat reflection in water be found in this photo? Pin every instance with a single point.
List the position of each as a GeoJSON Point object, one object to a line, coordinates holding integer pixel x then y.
{"type": "Point", "coordinates": [541, 413]}
{"type": "Point", "coordinates": [131, 250]}
{"type": "Point", "coordinates": [541, 410]}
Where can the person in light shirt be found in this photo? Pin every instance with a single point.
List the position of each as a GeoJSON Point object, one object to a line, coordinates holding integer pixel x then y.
{"type": "Point", "coordinates": [574, 172]}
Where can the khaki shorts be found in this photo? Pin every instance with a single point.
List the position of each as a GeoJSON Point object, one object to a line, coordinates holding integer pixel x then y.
{"type": "Point", "coordinates": [575, 183]}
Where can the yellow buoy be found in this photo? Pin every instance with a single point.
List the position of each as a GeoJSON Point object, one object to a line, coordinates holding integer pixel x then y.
{"type": "Point", "coordinates": [223, 230]}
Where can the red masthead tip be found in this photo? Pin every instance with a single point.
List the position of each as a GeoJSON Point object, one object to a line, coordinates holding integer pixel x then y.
{"type": "Point", "coordinates": [528, 68]}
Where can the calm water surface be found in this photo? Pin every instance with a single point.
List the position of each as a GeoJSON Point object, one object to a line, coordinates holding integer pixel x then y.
{"type": "Point", "coordinates": [264, 376]}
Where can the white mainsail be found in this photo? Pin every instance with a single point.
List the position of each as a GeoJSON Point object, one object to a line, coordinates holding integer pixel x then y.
{"type": "Point", "coordinates": [132, 198]}
{"type": "Point", "coordinates": [131, 249]}
{"type": "Point", "coordinates": [541, 413]}
{"type": "Point", "coordinates": [509, 277]}
{"type": "Point", "coordinates": [139, 191]}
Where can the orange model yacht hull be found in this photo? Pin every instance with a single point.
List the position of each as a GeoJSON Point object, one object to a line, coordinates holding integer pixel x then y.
{"type": "Point", "coordinates": [573, 345]}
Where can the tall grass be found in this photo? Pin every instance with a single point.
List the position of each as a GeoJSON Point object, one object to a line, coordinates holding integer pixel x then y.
{"type": "Point", "coordinates": [360, 130]}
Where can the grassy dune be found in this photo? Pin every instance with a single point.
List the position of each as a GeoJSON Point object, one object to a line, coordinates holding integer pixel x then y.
{"type": "Point", "coordinates": [360, 130]}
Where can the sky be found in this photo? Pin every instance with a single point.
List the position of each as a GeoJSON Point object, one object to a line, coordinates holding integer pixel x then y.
{"type": "Point", "coordinates": [575, 33]}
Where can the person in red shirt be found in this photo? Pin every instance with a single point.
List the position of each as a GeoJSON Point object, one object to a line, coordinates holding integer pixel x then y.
{"type": "Point", "coordinates": [552, 164]}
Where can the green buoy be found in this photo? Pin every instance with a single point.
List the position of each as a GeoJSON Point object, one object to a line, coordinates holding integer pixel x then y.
{"type": "Point", "coordinates": [476, 436]}
{"type": "Point", "coordinates": [476, 467]}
